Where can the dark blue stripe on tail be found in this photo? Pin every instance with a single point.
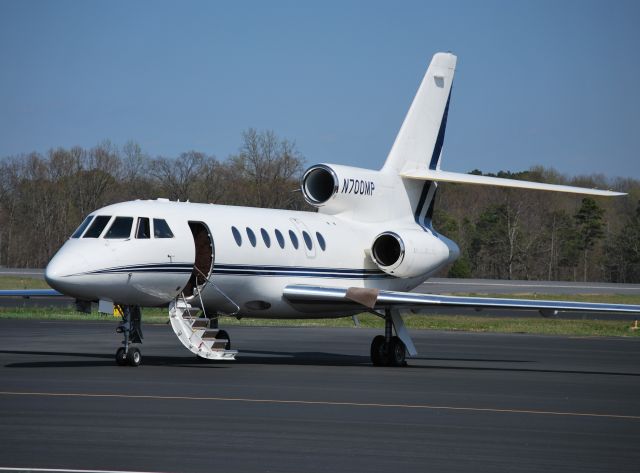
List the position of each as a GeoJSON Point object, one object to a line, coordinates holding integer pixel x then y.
{"type": "Point", "coordinates": [437, 149]}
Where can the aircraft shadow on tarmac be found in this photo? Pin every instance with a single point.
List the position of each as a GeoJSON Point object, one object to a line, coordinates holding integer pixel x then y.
{"type": "Point", "coordinates": [250, 357]}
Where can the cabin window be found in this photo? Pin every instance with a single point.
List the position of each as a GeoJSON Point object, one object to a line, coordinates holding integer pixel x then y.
{"type": "Point", "coordinates": [265, 237]}
{"type": "Point", "coordinates": [236, 236]}
{"type": "Point", "coordinates": [252, 237]}
{"type": "Point", "coordinates": [82, 227]}
{"type": "Point", "coordinates": [321, 242]}
{"type": "Point", "coordinates": [294, 239]}
{"type": "Point", "coordinates": [307, 240]}
{"type": "Point", "coordinates": [161, 229]}
{"type": "Point", "coordinates": [280, 239]}
{"type": "Point", "coordinates": [95, 230]}
{"type": "Point", "coordinates": [120, 228]}
{"type": "Point", "coordinates": [143, 229]}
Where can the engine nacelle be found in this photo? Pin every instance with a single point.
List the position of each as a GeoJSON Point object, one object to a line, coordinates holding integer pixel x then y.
{"type": "Point", "coordinates": [412, 252]}
{"type": "Point", "coordinates": [334, 189]}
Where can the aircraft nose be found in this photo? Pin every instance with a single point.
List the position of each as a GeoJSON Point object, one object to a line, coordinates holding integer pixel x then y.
{"type": "Point", "coordinates": [54, 274]}
{"type": "Point", "coordinates": [59, 273]}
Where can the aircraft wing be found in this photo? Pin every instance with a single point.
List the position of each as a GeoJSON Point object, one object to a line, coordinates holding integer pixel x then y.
{"type": "Point", "coordinates": [376, 299]}
{"type": "Point", "coordinates": [27, 293]}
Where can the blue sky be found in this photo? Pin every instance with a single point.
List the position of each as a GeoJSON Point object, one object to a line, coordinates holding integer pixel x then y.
{"type": "Point", "coordinates": [538, 82]}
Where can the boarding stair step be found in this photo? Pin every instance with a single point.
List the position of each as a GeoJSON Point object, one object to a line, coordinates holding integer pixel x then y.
{"type": "Point", "coordinates": [195, 333]}
{"type": "Point", "coordinates": [200, 323]}
{"type": "Point", "coordinates": [210, 334]}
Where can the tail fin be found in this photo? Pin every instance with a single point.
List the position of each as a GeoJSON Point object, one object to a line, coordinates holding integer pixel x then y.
{"type": "Point", "coordinates": [419, 142]}
{"type": "Point", "coordinates": [418, 146]}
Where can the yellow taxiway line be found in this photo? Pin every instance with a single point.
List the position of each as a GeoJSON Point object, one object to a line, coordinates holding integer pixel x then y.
{"type": "Point", "coordinates": [323, 403]}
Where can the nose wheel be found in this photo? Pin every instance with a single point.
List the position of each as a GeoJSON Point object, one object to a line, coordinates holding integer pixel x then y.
{"type": "Point", "coordinates": [133, 357]}
{"type": "Point", "coordinates": [131, 328]}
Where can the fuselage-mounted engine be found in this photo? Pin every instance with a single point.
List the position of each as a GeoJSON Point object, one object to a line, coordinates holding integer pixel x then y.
{"type": "Point", "coordinates": [412, 252]}
{"type": "Point", "coordinates": [363, 194]}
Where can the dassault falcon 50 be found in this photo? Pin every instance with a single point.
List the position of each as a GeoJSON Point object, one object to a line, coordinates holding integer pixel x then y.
{"type": "Point", "coordinates": [369, 243]}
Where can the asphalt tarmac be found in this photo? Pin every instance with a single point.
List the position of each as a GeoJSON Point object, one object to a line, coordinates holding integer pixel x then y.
{"type": "Point", "coordinates": [307, 400]}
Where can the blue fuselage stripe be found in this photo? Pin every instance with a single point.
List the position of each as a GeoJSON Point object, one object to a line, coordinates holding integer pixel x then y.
{"type": "Point", "coordinates": [251, 270]}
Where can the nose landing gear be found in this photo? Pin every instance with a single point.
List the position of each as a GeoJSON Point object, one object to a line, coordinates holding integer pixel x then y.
{"type": "Point", "coordinates": [131, 328]}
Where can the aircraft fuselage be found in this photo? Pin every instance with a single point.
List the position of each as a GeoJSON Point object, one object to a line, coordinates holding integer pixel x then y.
{"type": "Point", "coordinates": [254, 254]}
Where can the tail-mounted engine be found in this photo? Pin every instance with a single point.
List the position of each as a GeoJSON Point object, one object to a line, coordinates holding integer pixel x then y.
{"type": "Point", "coordinates": [335, 189]}
{"type": "Point", "coordinates": [410, 253]}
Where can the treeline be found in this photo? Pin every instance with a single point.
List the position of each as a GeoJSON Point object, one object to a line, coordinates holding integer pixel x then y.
{"type": "Point", "coordinates": [519, 234]}
{"type": "Point", "coordinates": [44, 197]}
{"type": "Point", "coordinates": [502, 233]}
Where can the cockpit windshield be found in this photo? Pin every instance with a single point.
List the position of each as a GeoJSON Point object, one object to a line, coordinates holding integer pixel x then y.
{"type": "Point", "coordinates": [95, 230]}
{"type": "Point", "coordinates": [85, 223]}
{"type": "Point", "coordinates": [120, 228]}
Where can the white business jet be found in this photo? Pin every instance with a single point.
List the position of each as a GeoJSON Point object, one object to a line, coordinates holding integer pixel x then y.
{"type": "Point", "coordinates": [370, 242]}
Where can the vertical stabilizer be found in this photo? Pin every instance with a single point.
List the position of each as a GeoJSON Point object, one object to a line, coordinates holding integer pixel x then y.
{"type": "Point", "coordinates": [419, 142]}
{"type": "Point", "coordinates": [418, 146]}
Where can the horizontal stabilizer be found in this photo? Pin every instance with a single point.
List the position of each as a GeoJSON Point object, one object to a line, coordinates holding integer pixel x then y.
{"type": "Point", "coordinates": [444, 176]}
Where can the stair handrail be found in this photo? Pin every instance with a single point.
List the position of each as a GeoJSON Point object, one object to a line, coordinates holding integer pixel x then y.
{"type": "Point", "coordinates": [209, 281]}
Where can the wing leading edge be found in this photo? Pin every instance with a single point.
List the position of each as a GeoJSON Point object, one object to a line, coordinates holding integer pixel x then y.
{"type": "Point", "coordinates": [375, 299]}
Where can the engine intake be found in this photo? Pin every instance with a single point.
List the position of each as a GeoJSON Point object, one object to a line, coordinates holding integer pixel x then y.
{"type": "Point", "coordinates": [388, 250]}
{"type": "Point", "coordinates": [319, 184]}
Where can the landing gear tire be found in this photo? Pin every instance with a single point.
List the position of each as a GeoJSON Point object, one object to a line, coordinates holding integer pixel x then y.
{"type": "Point", "coordinates": [121, 356]}
{"type": "Point", "coordinates": [134, 357]}
{"type": "Point", "coordinates": [388, 354]}
{"type": "Point", "coordinates": [378, 349]}
{"type": "Point", "coordinates": [396, 353]}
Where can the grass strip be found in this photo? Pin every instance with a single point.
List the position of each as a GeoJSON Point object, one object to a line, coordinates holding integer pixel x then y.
{"type": "Point", "coordinates": [14, 282]}
{"type": "Point", "coordinates": [529, 325]}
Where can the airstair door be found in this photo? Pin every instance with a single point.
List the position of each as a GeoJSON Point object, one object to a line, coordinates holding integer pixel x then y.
{"type": "Point", "coordinates": [204, 258]}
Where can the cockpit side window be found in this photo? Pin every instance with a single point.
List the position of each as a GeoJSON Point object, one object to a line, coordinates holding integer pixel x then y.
{"type": "Point", "coordinates": [82, 227]}
{"type": "Point", "coordinates": [120, 228]}
{"type": "Point", "coordinates": [161, 229]}
{"type": "Point", "coordinates": [143, 230]}
{"type": "Point", "coordinates": [95, 230]}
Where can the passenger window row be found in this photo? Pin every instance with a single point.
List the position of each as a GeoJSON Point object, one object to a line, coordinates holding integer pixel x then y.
{"type": "Point", "coordinates": [266, 238]}
{"type": "Point", "coordinates": [121, 228]}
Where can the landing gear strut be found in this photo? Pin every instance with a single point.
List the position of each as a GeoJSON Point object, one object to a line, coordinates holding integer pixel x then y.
{"type": "Point", "coordinates": [131, 328]}
{"type": "Point", "coordinates": [388, 350]}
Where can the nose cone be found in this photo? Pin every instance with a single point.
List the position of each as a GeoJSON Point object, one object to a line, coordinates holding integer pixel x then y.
{"type": "Point", "coordinates": [54, 274]}
{"type": "Point", "coordinates": [61, 272]}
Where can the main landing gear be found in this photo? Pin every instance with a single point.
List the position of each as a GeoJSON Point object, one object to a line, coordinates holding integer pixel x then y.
{"type": "Point", "coordinates": [131, 328]}
{"type": "Point", "coordinates": [387, 349]}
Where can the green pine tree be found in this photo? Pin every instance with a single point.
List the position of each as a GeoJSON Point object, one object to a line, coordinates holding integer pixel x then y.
{"type": "Point", "coordinates": [590, 228]}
